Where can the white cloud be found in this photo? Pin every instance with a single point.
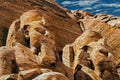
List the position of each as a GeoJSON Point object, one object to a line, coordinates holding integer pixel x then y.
{"type": "Point", "coordinates": [116, 5]}
{"type": "Point", "coordinates": [98, 10]}
{"type": "Point", "coordinates": [79, 3]}
{"type": "Point", "coordinates": [96, 6]}
{"type": "Point", "coordinates": [87, 8]}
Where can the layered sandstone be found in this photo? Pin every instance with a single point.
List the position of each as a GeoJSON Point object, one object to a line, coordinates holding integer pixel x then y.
{"type": "Point", "coordinates": [40, 40]}
{"type": "Point", "coordinates": [55, 16]}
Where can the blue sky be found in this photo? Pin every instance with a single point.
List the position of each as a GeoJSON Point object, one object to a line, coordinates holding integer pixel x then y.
{"type": "Point", "coordinates": [93, 6]}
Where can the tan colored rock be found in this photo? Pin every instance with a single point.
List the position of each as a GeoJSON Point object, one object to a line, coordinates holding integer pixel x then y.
{"type": "Point", "coordinates": [97, 54]}
{"type": "Point", "coordinates": [101, 61]}
{"type": "Point", "coordinates": [47, 56]}
{"type": "Point", "coordinates": [109, 19]}
{"type": "Point", "coordinates": [15, 35]}
{"type": "Point", "coordinates": [32, 22]}
{"type": "Point", "coordinates": [82, 57]}
{"type": "Point", "coordinates": [78, 14]}
{"type": "Point", "coordinates": [84, 39]}
{"type": "Point", "coordinates": [38, 35]}
{"type": "Point", "coordinates": [9, 77]}
{"type": "Point", "coordinates": [7, 61]}
{"type": "Point", "coordinates": [25, 58]}
{"type": "Point", "coordinates": [55, 17]}
{"type": "Point", "coordinates": [42, 41]}
{"type": "Point", "coordinates": [89, 47]}
{"type": "Point", "coordinates": [43, 31]}
{"type": "Point", "coordinates": [115, 22]}
{"type": "Point", "coordinates": [104, 17]}
{"type": "Point", "coordinates": [32, 73]}
{"type": "Point", "coordinates": [28, 74]}
{"type": "Point", "coordinates": [60, 67]}
{"type": "Point", "coordinates": [79, 53]}
{"type": "Point", "coordinates": [91, 73]}
{"type": "Point", "coordinates": [68, 55]}
{"type": "Point", "coordinates": [109, 33]}
{"type": "Point", "coordinates": [51, 76]}
{"type": "Point", "coordinates": [30, 16]}
{"type": "Point", "coordinates": [118, 70]}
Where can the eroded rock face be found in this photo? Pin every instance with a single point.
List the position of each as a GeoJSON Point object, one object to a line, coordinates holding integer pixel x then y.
{"type": "Point", "coordinates": [28, 74]}
{"type": "Point", "coordinates": [110, 19]}
{"type": "Point", "coordinates": [52, 43]}
{"type": "Point", "coordinates": [9, 77]}
{"type": "Point", "coordinates": [8, 63]}
{"type": "Point", "coordinates": [34, 47]}
{"type": "Point", "coordinates": [51, 76]}
{"type": "Point", "coordinates": [101, 61]}
{"type": "Point", "coordinates": [15, 35]}
{"type": "Point", "coordinates": [90, 58]}
{"type": "Point", "coordinates": [68, 55]}
{"type": "Point", "coordinates": [56, 18]}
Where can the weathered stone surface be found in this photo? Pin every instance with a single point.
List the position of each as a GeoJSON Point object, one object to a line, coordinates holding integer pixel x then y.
{"type": "Point", "coordinates": [90, 72]}
{"type": "Point", "coordinates": [28, 74]}
{"type": "Point", "coordinates": [25, 58]}
{"type": "Point", "coordinates": [82, 57]}
{"type": "Point", "coordinates": [15, 35]}
{"type": "Point", "coordinates": [47, 56]}
{"type": "Point", "coordinates": [68, 55]}
{"type": "Point", "coordinates": [78, 15]}
{"type": "Point", "coordinates": [101, 61]}
{"type": "Point", "coordinates": [84, 39]}
{"type": "Point", "coordinates": [7, 61]}
{"type": "Point", "coordinates": [90, 53]}
{"type": "Point", "coordinates": [9, 77]}
{"type": "Point", "coordinates": [109, 34]}
{"type": "Point", "coordinates": [56, 18]}
{"type": "Point", "coordinates": [109, 19]}
{"type": "Point", "coordinates": [51, 76]}
{"type": "Point", "coordinates": [38, 37]}
{"type": "Point", "coordinates": [41, 42]}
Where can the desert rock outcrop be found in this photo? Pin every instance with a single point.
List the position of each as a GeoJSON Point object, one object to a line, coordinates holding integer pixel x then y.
{"type": "Point", "coordinates": [48, 42]}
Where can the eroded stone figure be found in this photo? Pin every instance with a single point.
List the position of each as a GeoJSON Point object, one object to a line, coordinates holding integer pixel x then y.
{"type": "Point", "coordinates": [30, 32]}
{"type": "Point", "coordinates": [35, 55]}
{"type": "Point", "coordinates": [90, 58]}
{"type": "Point", "coordinates": [35, 47]}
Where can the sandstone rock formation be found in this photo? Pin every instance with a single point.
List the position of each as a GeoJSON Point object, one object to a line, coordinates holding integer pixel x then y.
{"type": "Point", "coordinates": [48, 42]}
{"type": "Point", "coordinates": [51, 76]}
{"type": "Point", "coordinates": [7, 61]}
{"type": "Point", "coordinates": [56, 18]}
